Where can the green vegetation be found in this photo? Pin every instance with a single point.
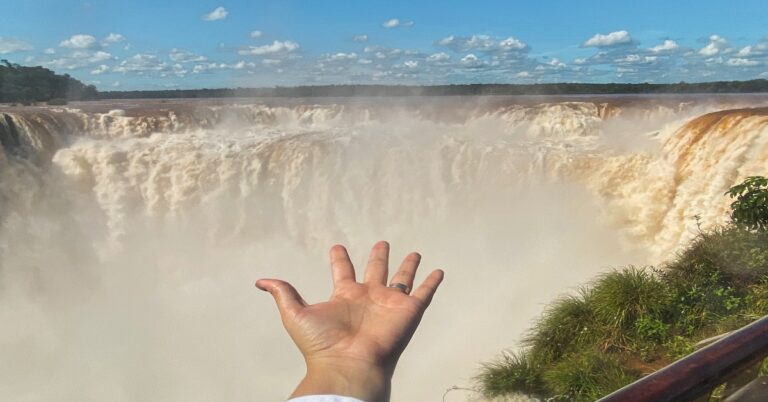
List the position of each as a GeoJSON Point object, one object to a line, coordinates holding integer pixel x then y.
{"type": "Point", "coordinates": [750, 209]}
{"type": "Point", "coordinates": [633, 321]}
{"type": "Point", "coordinates": [25, 85]}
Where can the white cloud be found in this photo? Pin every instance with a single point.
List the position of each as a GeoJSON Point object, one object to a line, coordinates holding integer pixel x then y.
{"type": "Point", "coordinates": [360, 38]}
{"type": "Point", "coordinates": [79, 59]}
{"type": "Point", "coordinates": [204, 68]}
{"type": "Point", "coordinates": [378, 75]}
{"type": "Point", "coordinates": [611, 39]}
{"type": "Point", "coordinates": [746, 51]}
{"type": "Point", "coordinates": [271, 62]}
{"type": "Point", "coordinates": [92, 57]}
{"type": "Point", "coordinates": [709, 50]}
{"type": "Point", "coordinates": [219, 13]}
{"type": "Point", "coordinates": [448, 40]}
{"type": "Point", "coordinates": [13, 45]}
{"type": "Point", "coordinates": [471, 61]}
{"type": "Point", "coordinates": [79, 41]}
{"type": "Point", "coordinates": [181, 56]}
{"type": "Point", "coordinates": [482, 43]}
{"type": "Point", "coordinates": [395, 22]}
{"type": "Point", "coordinates": [114, 38]}
{"type": "Point", "coordinates": [411, 64]}
{"type": "Point", "coordinates": [275, 47]}
{"type": "Point", "coordinates": [101, 69]}
{"type": "Point", "coordinates": [753, 50]}
{"type": "Point", "coordinates": [140, 63]}
{"type": "Point", "coordinates": [474, 42]}
{"type": "Point", "coordinates": [636, 59]}
{"type": "Point", "coordinates": [715, 60]}
{"type": "Point", "coordinates": [383, 53]}
{"type": "Point", "coordinates": [340, 57]}
{"type": "Point", "coordinates": [256, 34]}
{"type": "Point", "coordinates": [556, 64]}
{"type": "Point", "coordinates": [630, 58]}
{"type": "Point", "coordinates": [523, 74]}
{"type": "Point", "coordinates": [50, 50]}
{"type": "Point", "coordinates": [438, 57]}
{"type": "Point", "coordinates": [512, 43]}
{"type": "Point", "coordinates": [716, 45]}
{"type": "Point", "coordinates": [239, 65]}
{"type": "Point", "coordinates": [667, 46]}
{"type": "Point", "coordinates": [179, 70]}
{"type": "Point", "coordinates": [740, 62]}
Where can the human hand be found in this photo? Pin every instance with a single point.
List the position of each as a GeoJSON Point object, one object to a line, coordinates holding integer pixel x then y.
{"type": "Point", "coordinates": [352, 342]}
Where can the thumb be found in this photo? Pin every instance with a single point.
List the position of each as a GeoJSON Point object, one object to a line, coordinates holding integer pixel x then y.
{"type": "Point", "coordinates": [286, 297]}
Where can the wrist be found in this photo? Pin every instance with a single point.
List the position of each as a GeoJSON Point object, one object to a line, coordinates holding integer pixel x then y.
{"type": "Point", "coordinates": [346, 377]}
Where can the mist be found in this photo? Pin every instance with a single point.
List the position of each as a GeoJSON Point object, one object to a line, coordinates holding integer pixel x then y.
{"type": "Point", "coordinates": [128, 258]}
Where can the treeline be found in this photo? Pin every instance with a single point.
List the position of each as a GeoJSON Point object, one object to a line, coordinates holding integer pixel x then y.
{"type": "Point", "coordinates": [751, 86]}
{"type": "Point", "coordinates": [20, 84]}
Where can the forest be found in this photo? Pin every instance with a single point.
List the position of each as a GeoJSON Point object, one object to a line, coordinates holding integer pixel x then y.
{"type": "Point", "coordinates": [26, 85]}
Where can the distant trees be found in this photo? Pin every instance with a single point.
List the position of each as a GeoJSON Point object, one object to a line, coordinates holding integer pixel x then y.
{"type": "Point", "coordinates": [38, 84]}
{"type": "Point", "coordinates": [751, 86]}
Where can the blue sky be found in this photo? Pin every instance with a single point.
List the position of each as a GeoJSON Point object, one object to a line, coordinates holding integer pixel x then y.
{"type": "Point", "coordinates": [145, 44]}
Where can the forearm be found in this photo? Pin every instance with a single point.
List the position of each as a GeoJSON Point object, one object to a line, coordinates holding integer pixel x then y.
{"type": "Point", "coordinates": [360, 380]}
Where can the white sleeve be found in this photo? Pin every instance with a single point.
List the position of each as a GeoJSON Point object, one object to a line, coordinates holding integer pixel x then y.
{"type": "Point", "coordinates": [324, 398]}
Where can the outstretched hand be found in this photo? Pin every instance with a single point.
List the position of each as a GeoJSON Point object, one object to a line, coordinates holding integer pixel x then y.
{"type": "Point", "coordinates": [352, 342]}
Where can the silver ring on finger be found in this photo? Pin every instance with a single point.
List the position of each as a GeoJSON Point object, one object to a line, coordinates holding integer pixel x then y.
{"type": "Point", "coordinates": [403, 287]}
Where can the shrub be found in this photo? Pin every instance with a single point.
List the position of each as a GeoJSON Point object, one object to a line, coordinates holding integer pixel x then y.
{"type": "Point", "coordinates": [750, 209]}
{"type": "Point", "coordinates": [631, 303]}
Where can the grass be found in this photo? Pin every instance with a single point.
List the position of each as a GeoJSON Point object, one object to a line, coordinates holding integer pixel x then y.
{"type": "Point", "coordinates": [587, 376]}
{"type": "Point", "coordinates": [566, 325]}
{"type": "Point", "coordinates": [632, 321]}
{"type": "Point", "coordinates": [513, 373]}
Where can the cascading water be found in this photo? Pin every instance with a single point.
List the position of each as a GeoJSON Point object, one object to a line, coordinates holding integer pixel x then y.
{"type": "Point", "coordinates": [132, 233]}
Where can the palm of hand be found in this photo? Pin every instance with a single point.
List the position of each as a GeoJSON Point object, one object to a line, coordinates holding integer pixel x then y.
{"type": "Point", "coordinates": [363, 321]}
{"type": "Point", "coordinates": [360, 321]}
